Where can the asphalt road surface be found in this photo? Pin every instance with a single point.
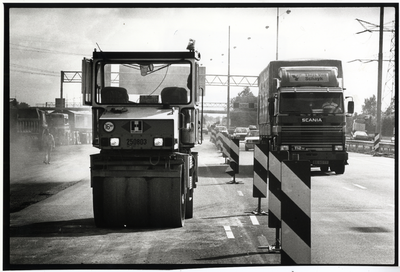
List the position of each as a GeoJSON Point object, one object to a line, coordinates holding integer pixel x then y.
{"type": "Point", "coordinates": [51, 218]}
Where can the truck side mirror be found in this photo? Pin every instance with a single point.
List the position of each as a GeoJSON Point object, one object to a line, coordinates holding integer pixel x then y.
{"type": "Point", "coordinates": [350, 107]}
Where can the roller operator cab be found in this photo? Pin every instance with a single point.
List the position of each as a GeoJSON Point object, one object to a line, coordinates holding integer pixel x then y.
{"type": "Point", "coordinates": [145, 108]}
{"type": "Point", "coordinates": [302, 111]}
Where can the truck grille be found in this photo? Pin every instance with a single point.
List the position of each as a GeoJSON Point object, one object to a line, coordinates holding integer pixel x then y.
{"type": "Point", "coordinates": [311, 135]}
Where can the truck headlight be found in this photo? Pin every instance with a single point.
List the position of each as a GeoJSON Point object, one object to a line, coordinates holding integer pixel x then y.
{"type": "Point", "coordinates": [338, 147]}
{"type": "Point", "coordinates": [158, 141]}
{"type": "Point", "coordinates": [108, 126]}
{"type": "Point", "coordinates": [114, 141]}
{"type": "Point", "coordinates": [284, 148]}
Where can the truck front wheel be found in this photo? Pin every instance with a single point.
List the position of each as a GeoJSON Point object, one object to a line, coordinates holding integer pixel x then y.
{"type": "Point", "coordinates": [324, 168]}
{"type": "Point", "coordinates": [338, 168]}
{"type": "Point", "coordinates": [139, 202]}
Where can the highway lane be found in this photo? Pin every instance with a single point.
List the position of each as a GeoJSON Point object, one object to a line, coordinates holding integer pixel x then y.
{"type": "Point", "coordinates": [60, 229]}
{"type": "Point", "coordinates": [352, 219]}
{"type": "Point", "coordinates": [353, 214]}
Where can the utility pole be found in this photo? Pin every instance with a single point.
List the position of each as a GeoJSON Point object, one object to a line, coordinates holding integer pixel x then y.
{"type": "Point", "coordinates": [378, 126]}
{"type": "Point", "coordinates": [277, 32]}
{"type": "Point", "coordinates": [61, 103]}
{"type": "Point", "coordinates": [228, 117]}
{"type": "Point", "coordinates": [379, 101]}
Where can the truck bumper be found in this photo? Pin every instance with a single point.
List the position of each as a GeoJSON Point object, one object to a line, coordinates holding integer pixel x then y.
{"type": "Point", "coordinates": [322, 158]}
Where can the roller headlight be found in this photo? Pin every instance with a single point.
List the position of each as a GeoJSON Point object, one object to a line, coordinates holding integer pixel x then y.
{"type": "Point", "coordinates": [108, 126]}
{"type": "Point", "coordinates": [158, 141]}
{"type": "Point", "coordinates": [114, 141]}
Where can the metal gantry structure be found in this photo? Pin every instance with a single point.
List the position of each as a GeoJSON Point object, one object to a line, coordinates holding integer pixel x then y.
{"type": "Point", "coordinates": [236, 81]}
{"type": "Point", "coordinates": [211, 80]}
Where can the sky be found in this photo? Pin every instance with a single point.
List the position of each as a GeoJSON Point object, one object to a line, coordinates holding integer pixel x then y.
{"type": "Point", "coordinates": [45, 41]}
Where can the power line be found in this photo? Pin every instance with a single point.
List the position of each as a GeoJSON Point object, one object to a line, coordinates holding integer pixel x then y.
{"type": "Point", "coordinates": [34, 73]}
{"type": "Point", "coordinates": [370, 27]}
{"type": "Point", "coordinates": [387, 27]}
{"type": "Point", "coordinates": [41, 50]}
{"type": "Point", "coordinates": [33, 69]}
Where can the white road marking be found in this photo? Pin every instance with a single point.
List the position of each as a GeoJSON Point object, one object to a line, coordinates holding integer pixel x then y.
{"type": "Point", "coordinates": [348, 189]}
{"type": "Point", "coordinates": [240, 193]}
{"type": "Point", "coordinates": [263, 241]}
{"type": "Point", "coordinates": [254, 220]}
{"type": "Point", "coordinates": [229, 232]}
{"type": "Point", "coordinates": [359, 186]}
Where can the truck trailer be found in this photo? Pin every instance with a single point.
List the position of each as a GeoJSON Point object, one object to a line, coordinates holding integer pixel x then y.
{"type": "Point", "coordinates": [301, 110]}
{"type": "Point", "coordinates": [59, 127]}
{"type": "Point", "coordinates": [31, 122]}
{"type": "Point", "coordinates": [146, 121]}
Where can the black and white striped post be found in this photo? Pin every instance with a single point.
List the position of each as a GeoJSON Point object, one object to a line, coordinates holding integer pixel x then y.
{"type": "Point", "coordinates": [377, 140]}
{"type": "Point", "coordinates": [296, 212]}
{"type": "Point", "coordinates": [275, 159]}
{"type": "Point", "coordinates": [274, 188]}
{"type": "Point", "coordinates": [260, 178]}
{"type": "Point", "coordinates": [213, 137]}
{"type": "Point", "coordinates": [233, 167]}
{"type": "Point", "coordinates": [223, 144]}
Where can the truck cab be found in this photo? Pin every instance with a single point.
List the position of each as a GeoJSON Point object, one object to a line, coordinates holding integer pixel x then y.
{"type": "Point", "coordinates": [143, 101]}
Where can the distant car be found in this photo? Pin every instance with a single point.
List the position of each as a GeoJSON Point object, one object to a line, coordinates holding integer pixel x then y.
{"type": "Point", "coordinates": [231, 130]}
{"type": "Point", "coordinates": [252, 127]}
{"type": "Point", "coordinates": [361, 135]}
{"type": "Point", "coordinates": [221, 129]}
{"type": "Point", "coordinates": [240, 133]}
{"type": "Point", "coordinates": [205, 130]}
{"type": "Point", "coordinates": [252, 138]}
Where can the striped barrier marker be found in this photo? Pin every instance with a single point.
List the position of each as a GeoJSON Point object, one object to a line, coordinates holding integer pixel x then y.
{"type": "Point", "coordinates": [274, 189]}
{"type": "Point", "coordinates": [223, 144]}
{"type": "Point", "coordinates": [275, 159]}
{"type": "Point", "coordinates": [377, 140]}
{"type": "Point", "coordinates": [296, 212]}
{"type": "Point", "coordinates": [233, 167]}
{"type": "Point", "coordinates": [213, 137]}
{"type": "Point", "coordinates": [218, 141]}
{"type": "Point", "coordinates": [226, 145]}
{"type": "Point", "coordinates": [260, 166]}
{"type": "Point", "coordinates": [234, 154]}
{"type": "Point", "coordinates": [260, 178]}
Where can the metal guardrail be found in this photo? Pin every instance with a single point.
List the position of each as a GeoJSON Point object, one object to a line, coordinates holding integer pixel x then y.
{"type": "Point", "coordinates": [364, 146]}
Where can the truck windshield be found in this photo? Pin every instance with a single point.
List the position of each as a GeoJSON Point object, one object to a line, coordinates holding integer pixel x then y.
{"type": "Point", "coordinates": [143, 83]}
{"type": "Point", "coordinates": [311, 103]}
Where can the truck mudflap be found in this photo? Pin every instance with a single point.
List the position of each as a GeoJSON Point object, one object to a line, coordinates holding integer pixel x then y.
{"type": "Point", "coordinates": [138, 192]}
{"type": "Point", "coordinates": [192, 180]}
